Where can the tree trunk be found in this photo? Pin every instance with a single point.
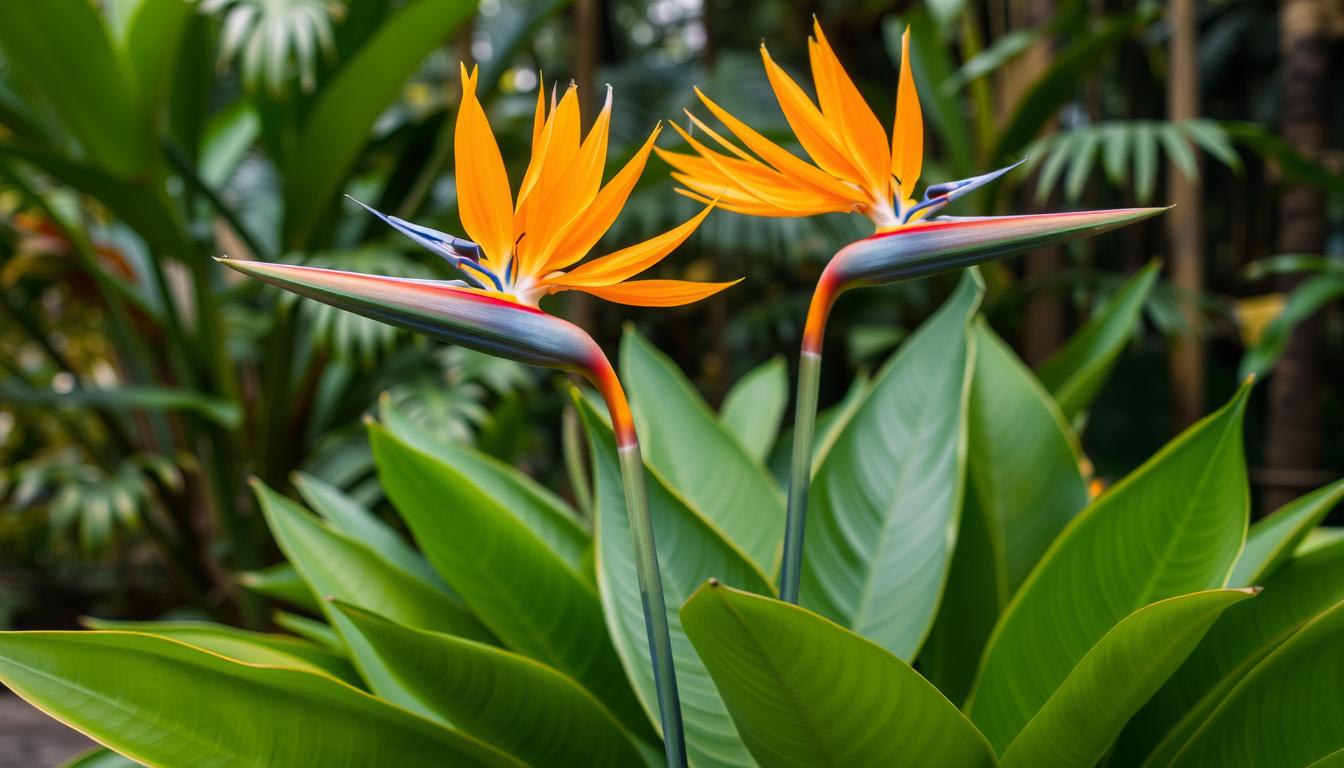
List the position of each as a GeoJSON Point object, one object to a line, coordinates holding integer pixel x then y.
{"type": "Point", "coordinates": [1295, 387]}
{"type": "Point", "coordinates": [1185, 223]}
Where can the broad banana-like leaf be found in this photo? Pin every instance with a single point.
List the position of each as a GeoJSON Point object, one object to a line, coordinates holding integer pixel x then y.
{"type": "Point", "coordinates": [1272, 540]}
{"type": "Point", "coordinates": [280, 582]}
{"type": "Point", "coordinates": [1173, 526]}
{"type": "Point", "coordinates": [805, 692]}
{"type": "Point", "coordinates": [882, 517]}
{"type": "Point", "coordinates": [695, 452]}
{"type": "Point", "coordinates": [335, 565]}
{"type": "Point", "coordinates": [1023, 486]}
{"type": "Point", "coordinates": [1286, 712]}
{"type": "Point", "coordinates": [537, 508]}
{"type": "Point", "coordinates": [1304, 587]}
{"type": "Point", "coordinates": [241, 645]}
{"type": "Point", "coordinates": [1110, 683]}
{"type": "Point", "coordinates": [533, 600]}
{"type": "Point", "coordinates": [164, 703]}
{"type": "Point", "coordinates": [690, 551]}
{"type": "Point", "coordinates": [522, 706]}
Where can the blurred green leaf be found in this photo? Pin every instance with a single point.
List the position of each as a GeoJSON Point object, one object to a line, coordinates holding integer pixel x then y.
{"type": "Point", "coordinates": [1173, 526]}
{"type": "Point", "coordinates": [338, 126]}
{"type": "Point", "coordinates": [805, 692]}
{"type": "Point", "coordinates": [682, 439]}
{"type": "Point", "coordinates": [221, 412]}
{"type": "Point", "coordinates": [280, 582]}
{"type": "Point", "coordinates": [754, 407]}
{"type": "Point", "coordinates": [61, 49]}
{"type": "Point", "coordinates": [710, 736]}
{"type": "Point", "coordinates": [1076, 372]}
{"type": "Point", "coordinates": [522, 706]}
{"type": "Point", "coordinates": [882, 514]}
{"type": "Point", "coordinates": [252, 715]}
{"type": "Point", "coordinates": [1308, 297]}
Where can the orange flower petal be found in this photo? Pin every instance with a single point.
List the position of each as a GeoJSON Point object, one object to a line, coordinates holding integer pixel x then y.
{"type": "Point", "coordinates": [630, 261]}
{"type": "Point", "coordinates": [594, 221]}
{"type": "Point", "coordinates": [843, 106]}
{"type": "Point", "coordinates": [658, 293]}
{"type": "Point", "coordinates": [907, 136]}
{"type": "Point", "coordinates": [485, 202]}
{"type": "Point", "coordinates": [764, 182]}
{"type": "Point", "coordinates": [782, 159]}
{"type": "Point", "coordinates": [583, 179]}
{"type": "Point", "coordinates": [809, 125]}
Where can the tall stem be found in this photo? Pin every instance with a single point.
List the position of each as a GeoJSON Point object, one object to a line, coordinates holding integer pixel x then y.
{"type": "Point", "coordinates": [804, 426]}
{"type": "Point", "coordinates": [646, 562]}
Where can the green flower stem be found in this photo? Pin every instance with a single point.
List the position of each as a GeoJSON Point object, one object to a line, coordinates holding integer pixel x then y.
{"type": "Point", "coordinates": [804, 426]}
{"type": "Point", "coordinates": [800, 475]}
{"type": "Point", "coordinates": [655, 611]}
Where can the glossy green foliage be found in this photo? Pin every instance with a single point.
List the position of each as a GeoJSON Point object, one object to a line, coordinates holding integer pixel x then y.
{"type": "Point", "coordinates": [529, 709]}
{"type": "Point", "coordinates": [531, 598]}
{"type": "Point", "coordinates": [164, 703]}
{"type": "Point", "coordinates": [1086, 712]}
{"type": "Point", "coordinates": [882, 516]}
{"type": "Point", "coordinates": [724, 482]}
{"type": "Point", "coordinates": [1173, 526]}
{"type": "Point", "coordinates": [1023, 486]}
{"type": "Point", "coordinates": [806, 692]}
{"type": "Point", "coordinates": [1285, 712]}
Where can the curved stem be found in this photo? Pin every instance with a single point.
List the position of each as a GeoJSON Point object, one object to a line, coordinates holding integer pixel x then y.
{"type": "Point", "coordinates": [804, 426]}
{"type": "Point", "coordinates": [646, 562]}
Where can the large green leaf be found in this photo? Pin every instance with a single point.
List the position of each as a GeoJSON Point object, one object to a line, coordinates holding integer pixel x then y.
{"type": "Point", "coordinates": [1075, 373]}
{"type": "Point", "coordinates": [882, 518]}
{"type": "Point", "coordinates": [1305, 586]}
{"type": "Point", "coordinates": [521, 706]}
{"type": "Point", "coordinates": [336, 566]}
{"type": "Point", "coordinates": [683, 440]}
{"type": "Point", "coordinates": [536, 602]}
{"type": "Point", "coordinates": [61, 49]}
{"type": "Point", "coordinates": [338, 126]}
{"type": "Point", "coordinates": [164, 703]}
{"type": "Point", "coordinates": [349, 517]}
{"type": "Point", "coordinates": [1272, 540]}
{"type": "Point", "coordinates": [100, 757]}
{"type": "Point", "coordinates": [153, 38]}
{"type": "Point", "coordinates": [1023, 486]}
{"type": "Point", "coordinates": [537, 508]}
{"type": "Point", "coordinates": [753, 408]}
{"type": "Point", "coordinates": [690, 551]}
{"type": "Point", "coordinates": [1173, 526]}
{"type": "Point", "coordinates": [242, 645]}
{"type": "Point", "coordinates": [1287, 712]}
{"type": "Point", "coordinates": [1115, 678]}
{"type": "Point", "coordinates": [805, 692]}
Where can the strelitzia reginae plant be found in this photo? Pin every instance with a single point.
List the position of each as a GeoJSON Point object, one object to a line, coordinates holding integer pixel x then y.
{"type": "Point", "coordinates": [855, 168]}
{"type": "Point", "coordinates": [518, 253]}
{"type": "Point", "coordinates": [980, 607]}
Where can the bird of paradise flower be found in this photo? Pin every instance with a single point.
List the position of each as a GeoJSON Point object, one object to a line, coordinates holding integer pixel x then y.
{"type": "Point", "coordinates": [519, 252]}
{"type": "Point", "coordinates": [854, 168]}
